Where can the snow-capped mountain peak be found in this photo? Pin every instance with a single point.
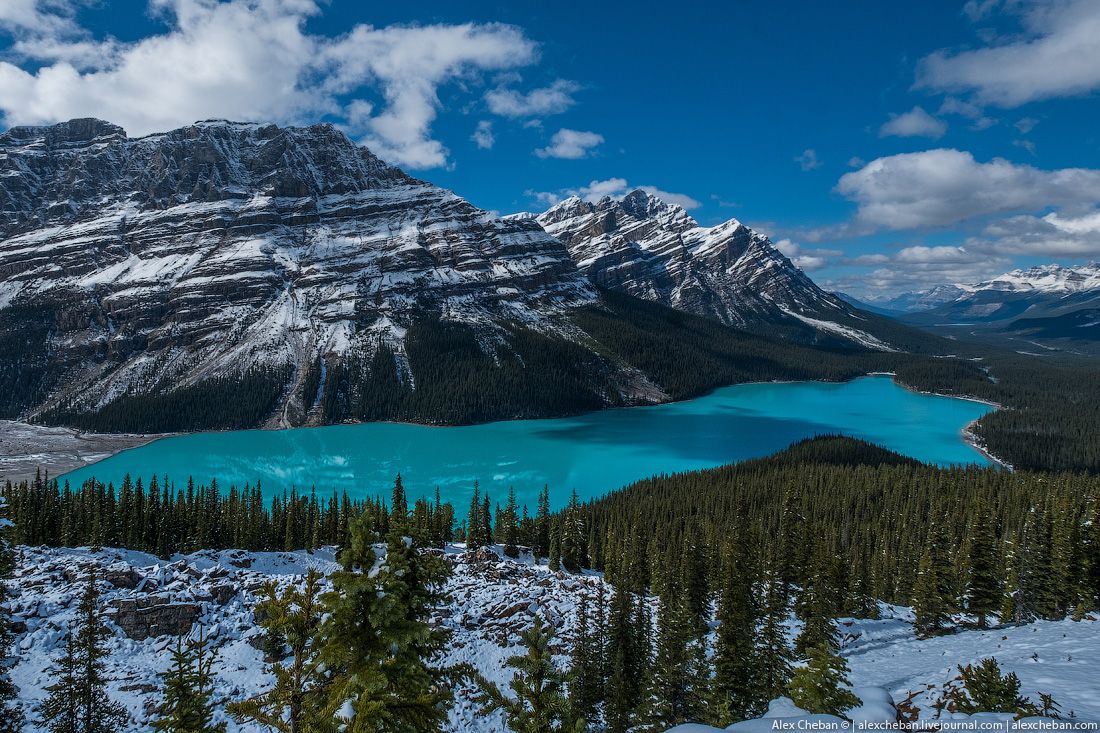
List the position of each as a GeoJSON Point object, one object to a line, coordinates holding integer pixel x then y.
{"type": "Point", "coordinates": [655, 250]}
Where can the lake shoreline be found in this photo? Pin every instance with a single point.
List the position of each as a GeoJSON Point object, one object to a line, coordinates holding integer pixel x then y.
{"type": "Point", "coordinates": [68, 449]}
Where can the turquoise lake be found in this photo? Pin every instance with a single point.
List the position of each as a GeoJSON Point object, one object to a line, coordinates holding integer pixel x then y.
{"type": "Point", "coordinates": [593, 453]}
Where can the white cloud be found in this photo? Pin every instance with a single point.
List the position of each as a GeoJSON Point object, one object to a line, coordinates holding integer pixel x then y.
{"type": "Point", "coordinates": [808, 160]}
{"type": "Point", "coordinates": [1057, 55]}
{"type": "Point", "coordinates": [1026, 124]}
{"type": "Point", "coordinates": [917, 268]}
{"type": "Point", "coordinates": [940, 187]}
{"type": "Point", "coordinates": [1052, 235]}
{"type": "Point", "coordinates": [615, 188]}
{"type": "Point", "coordinates": [570, 144]}
{"type": "Point", "coordinates": [856, 162]}
{"type": "Point", "coordinates": [914, 123]}
{"type": "Point", "coordinates": [550, 100]}
{"type": "Point", "coordinates": [807, 260]}
{"type": "Point", "coordinates": [483, 135]}
{"type": "Point", "coordinates": [253, 60]}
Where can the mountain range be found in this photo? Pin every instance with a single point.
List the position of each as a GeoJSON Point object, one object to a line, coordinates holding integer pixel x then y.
{"type": "Point", "coordinates": [1048, 303]}
{"type": "Point", "coordinates": [288, 276]}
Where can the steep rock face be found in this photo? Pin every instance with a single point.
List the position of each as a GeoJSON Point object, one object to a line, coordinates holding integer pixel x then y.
{"type": "Point", "coordinates": [127, 264]}
{"type": "Point", "coordinates": [654, 250]}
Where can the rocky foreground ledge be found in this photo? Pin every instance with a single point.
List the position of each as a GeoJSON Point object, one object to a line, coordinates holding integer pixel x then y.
{"type": "Point", "coordinates": [151, 601]}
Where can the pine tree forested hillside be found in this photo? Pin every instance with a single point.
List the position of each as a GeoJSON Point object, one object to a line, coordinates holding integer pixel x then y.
{"type": "Point", "coordinates": [871, 510]}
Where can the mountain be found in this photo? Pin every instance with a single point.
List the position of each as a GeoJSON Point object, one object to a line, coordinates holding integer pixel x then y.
{"type": "Point", "coordinates": [230, 275]}
{"type": "Point", "coordinates": [1005, 296]}
{"type": "Point", "coordinates": [645, 247]}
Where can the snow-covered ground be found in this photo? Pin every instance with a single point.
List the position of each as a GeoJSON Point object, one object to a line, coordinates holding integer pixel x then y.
{"type": "Point", "coordinates": [492, 600]}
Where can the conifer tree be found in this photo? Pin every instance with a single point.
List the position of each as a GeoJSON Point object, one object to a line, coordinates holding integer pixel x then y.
{"type": "Point", "coordinates": [627, 657]}
{"type": "Point", "coordinates": [572, 536]}
{"type": "Point", "coordinates": [554, 559]}
{"type": "Point", "coordinates": [773, 653]}
{"type": "Point", "coordinates": [984, 690]}
{"type": "Point", "coordinates": [821, 685]}
{"type": "Point", "coordinates": [475, 534]}
{"type": "Point", "coordinates": [734, 653]}
{"type": "Point", "coordinates": [399, 506]}
{"type": "Point", "coordinates": [983, 592]}
{"type": "Point", "coordinates": [540, 700]}
{"type": "Point", "coordinates": [59, 712]}
{"type": "Point", "coordinates": [542, 524]}
{"type": "Point", "coordinates": [11, 712]}
{"type": "Point", "coordinates": [296, 702]}
{"type": "Point", "coordinates": [586, 688]}
{"type": "Point", "coordinates": [507, 528]}
{"type": "Point", "coordinates": [677, 676]}
{"type": "Point", "coordinates": [81, 690]}
{"type": "Point", "coordinates": [378, 639]}
{"type": "Point", "coordinates": [932, 601]}
{"type": "Point", "coordinates": [188, 690]}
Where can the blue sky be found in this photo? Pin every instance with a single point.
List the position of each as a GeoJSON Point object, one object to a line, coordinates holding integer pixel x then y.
{"type": "Point", "coordinates": [883, 147]}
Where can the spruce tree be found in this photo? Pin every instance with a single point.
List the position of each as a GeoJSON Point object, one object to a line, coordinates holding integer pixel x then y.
{"type": "Point", "coordinates": [11, 712]}
{"type": "Point", "coordinates": [983, 592]}
{"type": "Point", "coordinates": [984, 690]}
{"type": "Point", "coordinates": [507, 527]}
{"type": "Point", "coordinates": [378, 639]}
{"type": "Point", "coordinates": [554, 558]}
{"type": "Point", "coordinates": [675, 688]}
{"type": "Point", "coordinates": [188, 690]}
{"type": "Point", "coordinates": [475, 534]}
{"type": "Point", "coordinates": [587, 687]}
{"type": "Point", "coordinates": [542, 524]}
{"type": "Point", "coordinates": [773, 653]}
{"type": "Point", "coordinates": [540, 700]}
{"type": "Point", "coordinates": [296, 702]}
{"type": "Point", "coordinates": [734, 653]}
{"type": "Point", "coordinates": [59, 712]}
{"type": "Point", "coordinates": [932, 593]}
{"type": "Point", "coordinates": [821, 685]}
{"type": "Point", "coordinates": [81, 690]}
{"type": "Point", "coordinates": [399, 506]}
{"type": "Point", "coordinates": [627, 658]}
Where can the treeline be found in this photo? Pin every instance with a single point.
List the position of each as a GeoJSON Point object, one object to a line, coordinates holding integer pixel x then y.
{"type": "Point", "coordinates": [821, 531]}
{"type": "Point", "coordinates": [233, 402]}
{"type": "Point", "coordinates": [164, 518]}
{"type": "Point", "coordinates": [880, 516]}
{"type": "Point", "coordinates": [1051, 414]}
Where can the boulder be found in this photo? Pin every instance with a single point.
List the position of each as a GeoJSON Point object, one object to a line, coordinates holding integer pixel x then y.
{"type": "Point", "coordinates": [143, 618]}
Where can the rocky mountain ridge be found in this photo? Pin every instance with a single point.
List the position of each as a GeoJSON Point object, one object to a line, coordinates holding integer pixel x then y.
{"type": "Point", "coordinates": [645, 247]}
{"type": "Point", "coordinates": [222, 247]}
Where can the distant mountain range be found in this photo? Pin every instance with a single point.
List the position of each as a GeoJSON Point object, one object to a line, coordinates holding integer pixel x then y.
{"type": "Point", "coordinates": [286, 276]}
{"type": "Point", "coordinates": [1044, 302]}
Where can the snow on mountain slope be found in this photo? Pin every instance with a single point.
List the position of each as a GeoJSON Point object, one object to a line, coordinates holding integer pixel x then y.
{"type": "Point", "coordinates": [493, 600]}
{"type": "Point", "coordinates": [654, 250]}
{"type": "Point", "coordinates": [221, 246]}
{"type": "Point", "coordinates": [1054, 281]}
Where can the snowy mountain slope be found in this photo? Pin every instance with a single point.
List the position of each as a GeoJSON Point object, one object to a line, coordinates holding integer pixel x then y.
{"type": "Point", "coordinates": [493, 600]}
{"type": "Point", "coordinates": [1043, 287]}
{"type": "Point", "coordinates": [224, 246]}
{"type": "Point", "coordinates": [651, 249]}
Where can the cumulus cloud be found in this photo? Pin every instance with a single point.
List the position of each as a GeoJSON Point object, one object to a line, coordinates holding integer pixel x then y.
{"type": "Point", "coordinates": [936, 188]}
{"type": "Point", "coordinates": [1056, 55]}
{"type": "Point", "coordinates": [570, 144]}
{"type": "Point", "coordinates": [483, 135]}
{"type": "Point", "coordinates": [917, 268]}
{"type": "Point", "coordinates": [251, 60]}
{"type": "Point", "coordinates": [615, 188]}
{"type": "Point", "coordinates": [914, 123]}
{"type": "Point", "coordinates": [807, 260]}
{"type": "Point", "coordinates": [554, 99]}
{"type": "Point", "coordinates": [808, 159]}
{"type": "Point", "coordinates": [1052, 235]}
